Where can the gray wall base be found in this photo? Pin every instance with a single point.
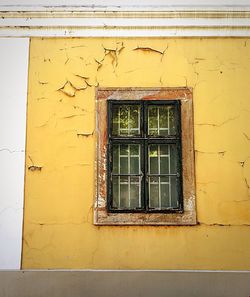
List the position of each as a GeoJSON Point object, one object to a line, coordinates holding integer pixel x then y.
{"type": "Point", "coordinates": [95, 283]}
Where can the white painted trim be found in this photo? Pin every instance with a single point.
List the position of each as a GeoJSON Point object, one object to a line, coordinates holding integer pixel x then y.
{"type": "Point", "coordinates": [168, 32]}
{"type": "Point", "coordinates": [84, 23]}
{"type": "Point", "coordinates": [125, 22]}
{"type": "Point", "coordinates": [13, 94]}
{"type": "Point", "coordinates": [121, 5]}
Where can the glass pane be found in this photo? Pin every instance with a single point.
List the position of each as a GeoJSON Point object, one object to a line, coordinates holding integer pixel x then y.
{"type": "Point", "coordinates": [161, 120]}
{"type": "Point", "coordinates": [126, 192]}
{"type": "Point", "coordinates": [152, 120]}
{"type": "Point", "coordinates": [126, 120]}
{"type": "Point", "coordinates": [115, 159]}
{"type": "Point", "coordinates": [173, 158]}
{"type": "Point", "coordinates": [163, 192]}
{"type": "Point", "coordinates": [153, 192]}
{"type": "Point", "coordinates": [174, 193]}
{"type": "Point", "coordinates": [134, 165]}
{"type": "Point", "coordinates": [153, 159]}
{"type": "Point", "coordinates": [126, 159]}
{"type": "Point", "coordinates": [123, 165]}
{"type": "Point", "coordinates": [162, 159]}
{"type": "Point", "coordinates": [115, 190]}
{"type": "Point", "coordinates": [135, 192]}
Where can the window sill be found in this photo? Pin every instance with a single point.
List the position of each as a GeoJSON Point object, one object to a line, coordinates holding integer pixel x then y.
{"type": "Point", "coordinates": [186, 218]}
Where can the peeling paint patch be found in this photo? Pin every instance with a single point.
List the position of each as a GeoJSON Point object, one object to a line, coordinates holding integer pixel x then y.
{"type": "Point", "coordinates": [247, 137]}
{"type": "Point", "coordinates": [35, 168]}
{"type": "Point", "coordinates": [68, 89]}
{"type": "Point", "coordinates": [43, 82]}
{"type": "Point", "coordinates": [221, 153]}
{"type": "Point", "coordinates": [85, 134]}
{"type": "Point", "coordinates": [151, 49]}
{"type": "Point", "coordinates": [113, 53]}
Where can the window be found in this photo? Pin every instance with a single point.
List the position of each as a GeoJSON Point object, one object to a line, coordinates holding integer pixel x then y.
{"type": "Point", "coordinates": [145, 158]}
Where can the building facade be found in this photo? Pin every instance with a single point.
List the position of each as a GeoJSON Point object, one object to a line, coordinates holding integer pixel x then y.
{"type": "Point", "coordinates": [61, 65]}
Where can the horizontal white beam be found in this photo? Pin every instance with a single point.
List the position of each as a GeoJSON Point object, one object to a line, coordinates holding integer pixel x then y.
{"type": "Point", "coordinates": [121, 5]}
{"type": "Point", "coordinates": [84, 23]}
{"type": "Point", "coordinates": [124, 22]}
{"type": "Point", "coordinates": [124, 32]}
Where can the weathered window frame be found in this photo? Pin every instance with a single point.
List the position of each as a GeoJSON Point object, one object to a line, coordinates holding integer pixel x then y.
{"type": "Point", "coordinates": [101, 214]}
{"type": "Point", "coordinates": [144, 139]}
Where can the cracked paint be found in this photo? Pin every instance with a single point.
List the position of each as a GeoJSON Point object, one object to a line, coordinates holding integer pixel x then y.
{"type": "Point", "coordinates": [151, 50]}
{"type": "Point", "coordinates": [62, 137]}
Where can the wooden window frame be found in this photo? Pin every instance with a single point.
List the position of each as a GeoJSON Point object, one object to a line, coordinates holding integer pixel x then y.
{"type": "Point", "coordinates": [102, 216]}
{"type": "Point", "coordinates": [144, 139]}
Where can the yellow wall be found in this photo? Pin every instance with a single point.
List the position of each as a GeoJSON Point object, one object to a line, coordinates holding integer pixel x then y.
{"type": "Point", "coordinates": [59, 196]}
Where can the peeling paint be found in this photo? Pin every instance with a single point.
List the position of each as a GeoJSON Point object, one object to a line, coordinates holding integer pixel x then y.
{"type": "Point", "coordinates": [35, 168]}
{"type": "Point", "coordinates": [62, 137]}
{"type": "Point", "coordinates": [70, 90]}
{"type": "Point", "coordinates": [86, 134]}
{"type": "Point", "coordinates": [150, 49]}
{"type": "Point", "coordinates": [113, 53]}
{"type": "Point", "coordinates": [247, 137]}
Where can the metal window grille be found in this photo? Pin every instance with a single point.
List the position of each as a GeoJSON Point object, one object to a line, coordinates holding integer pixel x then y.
{"type": "Point", "coordinates": [144, 156]}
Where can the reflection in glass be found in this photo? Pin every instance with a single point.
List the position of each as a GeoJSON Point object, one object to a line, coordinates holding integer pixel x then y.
{"type": "Point", "coordinates": [126, 120]}
{"type": "Point", "coordinates": [126, 188]}
{"type": "Point", "coordinates": [163, 192]}
{"type": "Point", "coordinates": [161, 120]}
{"type": "Point", "coordinates": [162, 165]}
{"type": "Point", "coordinates": [162, 159]}
{"type": "Point", "coordinates": [126, 159]}
{"type": "Point", "coordinates": [126, 192]}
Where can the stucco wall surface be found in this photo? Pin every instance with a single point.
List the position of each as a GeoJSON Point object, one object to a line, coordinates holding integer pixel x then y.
{"type": "Point", "coordinates": [61, 150]}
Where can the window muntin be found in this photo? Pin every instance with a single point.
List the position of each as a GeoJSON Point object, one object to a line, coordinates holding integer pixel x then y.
{"type": "Point", "coordinates": [144, 149]}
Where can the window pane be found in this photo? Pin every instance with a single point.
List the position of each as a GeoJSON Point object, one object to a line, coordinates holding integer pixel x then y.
{"type": "Point", "coordinates": [153, 159]}
{"type": "Point", "coordinates": [126, 159]}
{"type": "Point", "coordinates": [162, 159]}
{"type": "Point", "coordinates": [152, 120]}
{"type": "Point", "coordinates": [161, 120]}
{"type": "Point", "coordinates": [153, 192]}
{"type": "Point", "coordinates": [174, 193]}
{"type": "Point", "coordinates": [126, 120]}
{"type": "Point", "coordinates": [163, 192]}
{"type": "Point", "coordinates": [126, 192]}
